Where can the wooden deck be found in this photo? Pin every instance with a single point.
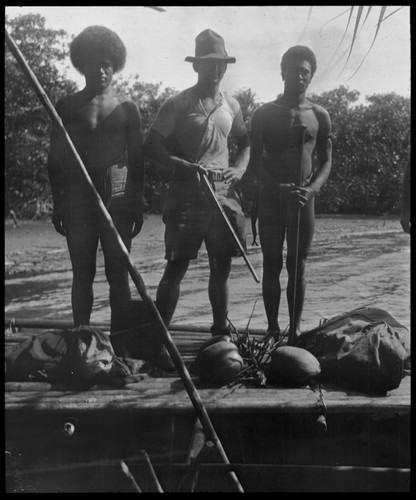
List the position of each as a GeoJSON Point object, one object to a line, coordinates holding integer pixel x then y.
{"type": "Point", "coordinates": [271, 435]}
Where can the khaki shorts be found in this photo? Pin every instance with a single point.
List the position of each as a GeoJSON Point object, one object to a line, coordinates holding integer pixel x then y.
{"type": "Point", "coordinates": [191, 219]}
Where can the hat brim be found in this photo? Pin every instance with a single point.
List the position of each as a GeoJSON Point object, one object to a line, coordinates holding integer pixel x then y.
{"type": "Point", "coordinates": [217, 57]}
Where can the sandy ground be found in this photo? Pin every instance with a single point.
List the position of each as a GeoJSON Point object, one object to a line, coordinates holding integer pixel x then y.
{"type": "Point", "coordinates": [354, 262]}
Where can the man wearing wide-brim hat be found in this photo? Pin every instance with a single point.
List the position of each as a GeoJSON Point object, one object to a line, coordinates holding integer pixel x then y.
{"type": "Point", "coordinates": [190, 137]}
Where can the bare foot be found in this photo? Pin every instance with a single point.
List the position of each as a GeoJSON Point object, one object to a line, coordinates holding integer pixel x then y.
{"type": "Point", "coordinates": [293, 337]}
{"type": "Point", "coordinates": [272, 335]}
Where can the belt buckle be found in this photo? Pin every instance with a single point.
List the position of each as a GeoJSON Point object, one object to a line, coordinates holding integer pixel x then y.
{"type": "Point", "coordinates": [215, 175]}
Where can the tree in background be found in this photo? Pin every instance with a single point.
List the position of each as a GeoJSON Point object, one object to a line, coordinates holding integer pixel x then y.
{"type": "Point", "coordinates": [27, 124]}
{"type": "Point", "coordinates": [148, 97]}
{"type": "Point", "coordinates": [371, 144]}
{"type": "Point", "coordinates": [248, 103]}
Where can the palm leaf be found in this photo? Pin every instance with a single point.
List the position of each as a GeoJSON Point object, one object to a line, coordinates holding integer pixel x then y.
{"type": "Point", "coordinates": [307, 22]}
{"type": "Point", "coordinates": [333, 19]}
{"type": "Point", "coordinates": [346, 29]}
{"type": "Point", "coordinates": [357, 29]}
{"type": "Point", "coordinates": [391, 13]}
{"type": "Point", "coordinates": [354, 36]}
{"type": "Point", "coordinates": [380, 20]}
{"type": "Point", "coordinates": [351, 11]}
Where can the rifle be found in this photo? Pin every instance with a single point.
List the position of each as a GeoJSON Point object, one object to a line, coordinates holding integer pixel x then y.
{"type": "Point", "coordinates": [217, 204]}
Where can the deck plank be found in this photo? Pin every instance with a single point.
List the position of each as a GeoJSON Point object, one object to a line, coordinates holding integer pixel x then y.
{"type": "Point", "coordinates": [148, 393]}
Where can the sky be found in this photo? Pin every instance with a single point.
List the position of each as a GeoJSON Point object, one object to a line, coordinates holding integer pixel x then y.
{"type": "Point", "coordinates": [158, 42]}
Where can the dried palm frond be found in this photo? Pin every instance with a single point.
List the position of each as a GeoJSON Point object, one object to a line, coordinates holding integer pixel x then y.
{"type": "Point", "coordinates": [360, 21]}
{"type": "Point", "coordinates": [255, 353]}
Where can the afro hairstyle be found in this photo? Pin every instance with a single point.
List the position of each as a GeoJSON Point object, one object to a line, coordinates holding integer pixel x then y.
{"type": "Point", "coordinates": [298, 52]}
{"type": "Point", "coordinates": [101, 41]}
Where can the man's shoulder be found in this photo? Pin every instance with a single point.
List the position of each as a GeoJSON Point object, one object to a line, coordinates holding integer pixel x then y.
{"type": "Point", "coordinates": [232, 101]}
{"type": "Point", "coordinates": [128, 104]}
{"type": "Point", "coordinates": [317, 108]}
{"type": "Point", "coordinates": [66, 103]}
{"type": "Point", "coordinates": [182, 96]}
{"type": "Point", "coordinates": [179, 100]}
{"type": "Point", "coordinates": [266, 109]}
{"type": "Point", "coordinates": [68, 99]}
{"type": "Point", "coordinates": [124, 99]}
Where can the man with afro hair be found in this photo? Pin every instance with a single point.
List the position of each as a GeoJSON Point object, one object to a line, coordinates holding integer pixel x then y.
{"type": "Point", "coordinates": [105, 128]}
{"type": "Point", "coordinates": [287, 135]}
{"type": "Point", "coordinates": [97, 40]}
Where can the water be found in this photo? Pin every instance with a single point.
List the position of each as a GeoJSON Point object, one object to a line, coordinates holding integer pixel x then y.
{"type": "Point", "coordinates": [354, 262]}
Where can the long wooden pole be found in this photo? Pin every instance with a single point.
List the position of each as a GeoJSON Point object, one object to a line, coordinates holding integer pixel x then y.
{"type": "Point", "coordinates": [135, 275]}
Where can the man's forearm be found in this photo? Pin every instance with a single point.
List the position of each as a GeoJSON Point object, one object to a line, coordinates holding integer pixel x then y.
{"type": "Point", "coordinates": [242, 158]}
{"type": "Point", "coordinates": [320, 177]}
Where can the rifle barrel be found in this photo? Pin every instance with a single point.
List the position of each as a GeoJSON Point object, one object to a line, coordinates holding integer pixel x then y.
{"type": "Point", "coordinates": [230, 227]}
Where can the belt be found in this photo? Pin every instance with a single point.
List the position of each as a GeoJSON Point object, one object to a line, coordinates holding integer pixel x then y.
{"type": "Point", "coordinates": [215, 175]}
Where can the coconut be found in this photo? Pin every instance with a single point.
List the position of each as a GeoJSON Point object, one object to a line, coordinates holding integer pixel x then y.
{"type": "Point", "coordinates": [218, 361]}
{"type": "Point", "coordinates": [292, 366]}
{"type": "Point", "coordinates": [214, 340]}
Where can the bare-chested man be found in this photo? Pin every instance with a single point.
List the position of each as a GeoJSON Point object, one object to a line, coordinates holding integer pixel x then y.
{"type": "Point", "coordinates": [106, 131]}
{"type": "Point", "coordinates": [286, 134]}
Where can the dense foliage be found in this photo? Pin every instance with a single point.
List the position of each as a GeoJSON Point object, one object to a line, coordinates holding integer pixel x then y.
{"type": "Point", "coordinates": [27, 125]}
{"type": "Point", "coordinates": [371, 145]}
{"type": "Point", "coordinates": [371, 139]}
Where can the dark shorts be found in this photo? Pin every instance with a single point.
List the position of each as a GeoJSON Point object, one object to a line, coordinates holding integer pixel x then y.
{"type": "Point", "coordinates": [192, 219]}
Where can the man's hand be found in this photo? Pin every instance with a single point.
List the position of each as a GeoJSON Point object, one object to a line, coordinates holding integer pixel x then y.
{"type": "Point", "coordinates": [138, 221]}
{"type": "Point", "coordinates": [57, 221]}
{"type": "Point", "coordinates": [233, 174]}
{"type": "Point", "coordinates": [188, 166]}
{"type": "Point", "coordinates": [301, 195]}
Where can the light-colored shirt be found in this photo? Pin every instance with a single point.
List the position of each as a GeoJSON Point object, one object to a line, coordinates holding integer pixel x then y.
{"type": "Point", "coordinates": [202, 137]}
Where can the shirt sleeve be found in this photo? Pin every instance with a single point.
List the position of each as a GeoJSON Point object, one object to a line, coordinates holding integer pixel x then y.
{"type": "Point", "coordinates": [165, 120]}
{"type": "Point", "coordinates": [239, 128]}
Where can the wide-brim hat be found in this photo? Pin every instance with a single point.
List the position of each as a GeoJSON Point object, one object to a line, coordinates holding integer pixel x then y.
{"type": "Point", "coordinates": [210, 45]}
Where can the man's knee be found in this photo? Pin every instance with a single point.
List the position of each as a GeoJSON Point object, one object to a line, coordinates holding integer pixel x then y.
{"type": "Point", "coordinates": [299, 261]}
{"type": "Point", "coordinates": [220, 267]}
{"type": "Point", "coordinates": [84, 274]}
{"type": "Point", "coordinates": [274, 263]}
{"type": "Point", "coordinates": [174, 272]}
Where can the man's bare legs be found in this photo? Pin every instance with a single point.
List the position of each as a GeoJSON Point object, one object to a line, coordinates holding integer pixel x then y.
{"type": "Point", "coordinates": [271, 288]}
{"type": "Point", "coordinates": [82, 239]}
{"type": "Point", "coordinates": [298, 250]}
{"type": "Point", "coordinates": [276, 224]}
{"type": "Point", "coordinates": [272, 228]}
{"type": "Point", "coordinates": [168, 291]}
{"type": "Point", "coordinates": [167, 297]}
{"type": "Point", "coordinates": [116, 268]}
{"type": "Point", "coordinates": [218, 291]}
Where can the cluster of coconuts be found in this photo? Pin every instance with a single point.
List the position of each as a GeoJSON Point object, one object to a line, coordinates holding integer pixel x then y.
{"type": "Point", "coordinates": [218, 361]}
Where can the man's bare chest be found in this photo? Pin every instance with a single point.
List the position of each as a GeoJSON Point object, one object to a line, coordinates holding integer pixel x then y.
{"type": "Point", "coordinates": [285, 127]}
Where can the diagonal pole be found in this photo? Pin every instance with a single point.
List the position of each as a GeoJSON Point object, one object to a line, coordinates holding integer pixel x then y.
{"type": "Point", "coordinates": [135, 275]}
